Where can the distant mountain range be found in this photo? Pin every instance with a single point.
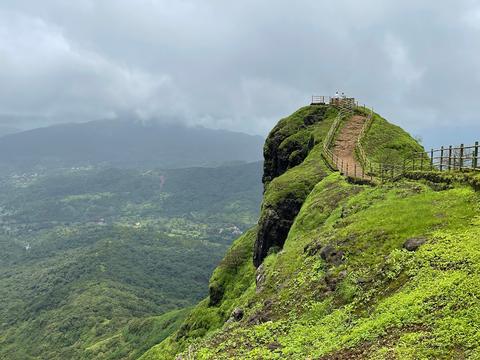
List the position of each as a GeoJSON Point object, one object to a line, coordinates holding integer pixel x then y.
{"type": "Point", "coordinates": [7, 130]}
{"type": "Point", "coordinates": [129, 144]}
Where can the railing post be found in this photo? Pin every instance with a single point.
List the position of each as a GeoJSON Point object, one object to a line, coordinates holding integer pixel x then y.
{"type": "Point", "coordinates": [450, 150]}
{"type": "Point", "coordinates": [355, 170]}
{"type": "Point", "coordinates": [441, 159]}
{"type": "Point", "coordinates": [462, 152]}
{"type": "Point", "coordinates": [347, 169]}
{"type": "Point", "coordinates": [431, 160]}
{"type": "Point", "coordinates": [475, 155]}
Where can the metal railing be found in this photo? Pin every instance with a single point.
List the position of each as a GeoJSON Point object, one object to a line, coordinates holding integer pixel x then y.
{"type": "Point", "coordinates": [320, 100]}
{"type": "Point", "coordinates": [333, 100]}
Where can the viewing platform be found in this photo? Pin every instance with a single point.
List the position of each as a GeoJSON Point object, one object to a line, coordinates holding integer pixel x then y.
{"type": "Point", "coordinates": [333, 100]}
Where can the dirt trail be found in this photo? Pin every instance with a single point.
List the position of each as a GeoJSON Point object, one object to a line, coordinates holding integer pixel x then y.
{"type": "Point", "coordinates": [346, 142]}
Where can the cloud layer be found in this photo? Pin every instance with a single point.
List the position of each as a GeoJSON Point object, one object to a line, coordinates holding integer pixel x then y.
{"type": "Point", "coordinates": [240, 65]}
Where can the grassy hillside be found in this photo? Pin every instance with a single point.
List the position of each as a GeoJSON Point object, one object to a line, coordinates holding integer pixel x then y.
{"type": "Point", "coordinates": [94, 263]}
{"type": "Point", "coordinates": [364, 272]}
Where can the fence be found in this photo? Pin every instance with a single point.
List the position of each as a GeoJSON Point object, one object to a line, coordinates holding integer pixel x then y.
{"type": "Point", "coordinates": [443, 159]}
{"type": "Point", "coordinates": [335, 101]}
{"type": "Point", "coordinates": [320, 100]}
{"type": "Point", "coordinates": [345, 109]}
{"type": "Point", "coordinates": [446, 159]}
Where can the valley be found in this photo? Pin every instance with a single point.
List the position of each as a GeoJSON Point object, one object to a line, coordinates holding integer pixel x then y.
{"type": "Point", "coordinates": [91, 258]}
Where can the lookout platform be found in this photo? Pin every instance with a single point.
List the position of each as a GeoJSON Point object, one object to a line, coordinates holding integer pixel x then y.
{"type": "Point", "coordinates": [332, 100]}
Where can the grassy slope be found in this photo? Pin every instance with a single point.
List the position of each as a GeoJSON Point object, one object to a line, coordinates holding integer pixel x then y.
{"type": "Point", "coordinates": [387, 143]}
{"type": "Point", "coordinates": [380, 302]}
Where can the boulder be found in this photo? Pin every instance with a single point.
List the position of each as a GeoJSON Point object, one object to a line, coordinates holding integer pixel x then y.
{"type": "Point", "coordinates": [237, 314]}
{"type": "Point", "coordinates": [275, 345]}
{"type": "Point", "coordinates": [414, 243]}
{"type": "Point", "coordinates": [332, 255]}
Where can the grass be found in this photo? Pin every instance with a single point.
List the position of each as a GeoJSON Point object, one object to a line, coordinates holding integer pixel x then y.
{"type": "Point", "coordinates": [409, 296]}
{"type": "Point", "coordinates": [387, 143]}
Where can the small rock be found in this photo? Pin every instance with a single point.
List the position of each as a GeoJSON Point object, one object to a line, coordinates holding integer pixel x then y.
{"type": "Point", "coordinates": [274, 346]}
{"type": "Point", "coordinates": [258, 318]}
{"type": "Point", "coordinates": [237, 314]}
{"type": "Point", "coordinates": [414, 243]}
{"type": "Point", "coordinates": [362, 281]}
{"type": "Point", "coordinates": [332, 255]}
{"type": "Point", "coordinates": [332, 279]}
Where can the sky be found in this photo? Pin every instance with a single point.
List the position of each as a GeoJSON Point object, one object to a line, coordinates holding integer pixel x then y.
{"type": "Point", "coordinates": [241, 65]}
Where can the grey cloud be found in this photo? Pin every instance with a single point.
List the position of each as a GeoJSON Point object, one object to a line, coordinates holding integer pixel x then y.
{"type": "Point", "coordinates": [240, 65]}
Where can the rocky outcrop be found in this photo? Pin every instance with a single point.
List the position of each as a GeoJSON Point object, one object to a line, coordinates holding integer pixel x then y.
{"type": "Point", "coordinates": [288, 144]}
{"type": "Point", "coordinates": [274, 225]}
{"type": "Point", "coordinates": [331, 255]}
{"type": "Point", "coordinates": [237, 314]}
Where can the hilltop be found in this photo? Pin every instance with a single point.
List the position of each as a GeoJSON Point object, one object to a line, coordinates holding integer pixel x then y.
{"type": "Point", "coordinates": [339, 268]}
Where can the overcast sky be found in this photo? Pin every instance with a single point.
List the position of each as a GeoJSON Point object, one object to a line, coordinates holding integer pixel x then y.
{"type": "Point", "coordinates": [241, 65]}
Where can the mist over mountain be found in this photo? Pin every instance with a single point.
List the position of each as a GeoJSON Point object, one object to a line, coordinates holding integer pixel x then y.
{"type": "Point", "coordinates": [129, 144]}
{"type": "Point", "coordinates": [8, 130]}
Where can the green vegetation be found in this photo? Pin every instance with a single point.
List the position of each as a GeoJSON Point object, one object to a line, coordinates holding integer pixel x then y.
{"type": "Point", "coordinates": [94, 263]}
{"type": "Point", "coordinates": [444, 180]}
{"type": "Point", "coordinates": [387, 143]}
{"type": "Point", "coordinates": [105, 264]}
{"type": "Point", "coordinates": [384, 272]}
{"type": "Point", "coordinates": [234, 276]}
{"type": "Point", "coordinates": [138, 336]}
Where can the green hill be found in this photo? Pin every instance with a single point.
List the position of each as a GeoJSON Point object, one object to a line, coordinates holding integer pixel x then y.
{"type": "Point", "coordinates": [341, 270]}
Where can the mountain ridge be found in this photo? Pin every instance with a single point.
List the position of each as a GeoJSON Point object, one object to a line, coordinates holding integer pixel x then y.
{"type": "Point", "coordinates": [130, 144]}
